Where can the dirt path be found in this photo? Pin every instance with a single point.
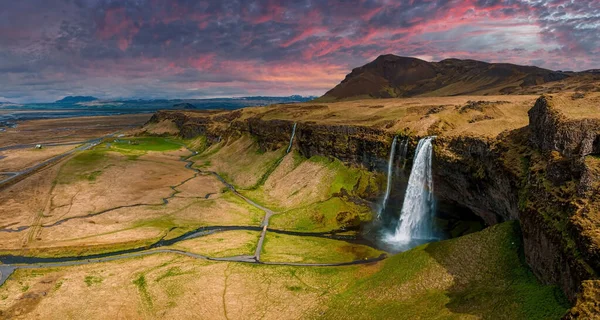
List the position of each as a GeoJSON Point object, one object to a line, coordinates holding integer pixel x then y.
{"type": "Point", "coordinates": [265, 222]}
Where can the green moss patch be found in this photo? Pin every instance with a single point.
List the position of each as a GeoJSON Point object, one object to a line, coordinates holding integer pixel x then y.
{"type": "Point", "coordinates": [332, 214]}
{"type": "Point", "coordinates": [480, 275]}
{"type": "Point", "coordinates": [145, 144]}
{"type": "Point", "coordinates": [288, 248]}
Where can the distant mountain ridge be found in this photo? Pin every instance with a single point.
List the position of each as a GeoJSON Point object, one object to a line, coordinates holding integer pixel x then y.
{"type": "Point", "coordinates": [151, 105]}
{"type": "Point", "coordinates": [8, 104]}
{"type": "Point", "coordinates": [76, 99]}
{"type": "Point", "coordinates": [391, 76]}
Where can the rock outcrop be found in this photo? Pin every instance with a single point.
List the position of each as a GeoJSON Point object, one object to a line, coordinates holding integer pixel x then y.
{"type": "Point", "coordinates": [469, 171]}
{"type": "Point", "coordinates": [552, 131]}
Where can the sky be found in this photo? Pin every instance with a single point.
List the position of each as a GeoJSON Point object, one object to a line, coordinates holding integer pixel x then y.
{"type": "Point", "coordinates": [197, 49]}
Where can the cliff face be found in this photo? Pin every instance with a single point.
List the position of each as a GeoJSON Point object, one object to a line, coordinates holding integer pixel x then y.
{"type": "Point", "coordinates": [469, 171]}
{"type": "Point", "coordinates": [559, 200]}
{"type": "Point", "coordinates": [190, 126]}
{"type": "Point", "coordinates": [353, 145]}
{"type": "Point", "coordinates": [552, 131]}
{"type": "Point", "coordinates": [538, 175]}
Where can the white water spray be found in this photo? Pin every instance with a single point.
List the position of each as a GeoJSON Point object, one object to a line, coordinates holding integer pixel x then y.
{"type": "Point", "coordinates": [292, 138]}
{"type": "Point", "coordinates": [390, 168]}
{"type": "Point", "coordinates": [416, 219]}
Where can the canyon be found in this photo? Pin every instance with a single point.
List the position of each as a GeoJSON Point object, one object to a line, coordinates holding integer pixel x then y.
{"type": "Point", "coordinates": [543, 174]}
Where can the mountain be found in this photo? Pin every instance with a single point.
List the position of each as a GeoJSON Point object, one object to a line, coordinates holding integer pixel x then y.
{"type": "Point", "coordinates": [76, 99]}
{"type": "Point", "coordinates": [391, 76]}
{"type": "Point", "coordinates": [184, 105]}
{"type": "Point", "coordinates": [4, 104]}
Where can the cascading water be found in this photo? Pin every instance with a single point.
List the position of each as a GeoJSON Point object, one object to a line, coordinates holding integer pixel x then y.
{"type": "Point", "coordinates": [292, 138]}
{"type": "Point", "coordinates": [390, 168]}
{"type": "Point", "coordinates": [415, 225]}
{"type": "Point", "coordinates": [403, 152]}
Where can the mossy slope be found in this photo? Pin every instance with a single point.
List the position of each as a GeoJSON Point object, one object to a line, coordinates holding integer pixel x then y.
{"type": "Point", "coordinates": [481, 275]}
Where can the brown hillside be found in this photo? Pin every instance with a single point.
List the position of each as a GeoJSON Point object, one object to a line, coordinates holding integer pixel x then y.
{"type": "Point", "coordinates": [391, 76]}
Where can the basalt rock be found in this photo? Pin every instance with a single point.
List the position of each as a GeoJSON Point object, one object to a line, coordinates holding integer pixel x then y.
{"type": "Point", "coordinates": [468, 171]}
{"type": "Point", "coordinates": [354, 145]}
{"type": "Point", "coordinates": [270, 135]}
{"type": "Point", "coordinates": [552, 131]}
{"type": "Point", "coordinates": [189, 127]}
{"type": "Point", "coordinates": [548, 258]}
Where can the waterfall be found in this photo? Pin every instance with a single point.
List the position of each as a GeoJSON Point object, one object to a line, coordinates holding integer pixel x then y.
{"type": "Point", "coordinates": [416, 217]}
{"type": "Point", "coordinates": [403, 152]}
{"type": "Point", "coordinates": [292, 138]}
{"type": "Point", "coordinates": [390, 170]}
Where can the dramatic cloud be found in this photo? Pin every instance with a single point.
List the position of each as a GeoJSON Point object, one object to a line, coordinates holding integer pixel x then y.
{"type": "Point", "coordinates": [187, 48]}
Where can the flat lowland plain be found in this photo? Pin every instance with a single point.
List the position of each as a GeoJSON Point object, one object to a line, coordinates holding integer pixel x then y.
{"type": "Point", "coordinates": [123, 193]}
{"type": "Point", "coordinates": [20, 159]}
{"type": "Point", "coordinates": [161, 196]}
{"type": "Point", "coordinates": [69, 130]}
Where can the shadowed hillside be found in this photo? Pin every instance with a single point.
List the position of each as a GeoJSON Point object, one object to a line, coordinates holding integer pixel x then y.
{"type": "Point", "coordinates": [391, 76]}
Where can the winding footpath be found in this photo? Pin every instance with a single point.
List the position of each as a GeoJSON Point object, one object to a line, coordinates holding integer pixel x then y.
{"type": "Point", "coordinates": [11, 263]}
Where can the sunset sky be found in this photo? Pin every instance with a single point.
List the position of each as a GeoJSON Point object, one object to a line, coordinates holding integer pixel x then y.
{"type": "Point", "coordinates": [197, 49]}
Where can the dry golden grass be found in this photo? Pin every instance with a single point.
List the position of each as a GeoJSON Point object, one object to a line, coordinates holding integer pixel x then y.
{"type": "Point", "coordinates": [115, 182]}
{"type": "Point", "coordinates": [202, 186]}
{"type": "Point", "coordinates": [222, 244]}
{"type": "Point", "coordinates": [170, 287]}
{"type": "Point", "coordinates": [161, 128]}
{"type": "Point", "coordinates": [133, 226]}
{"type": "Point", "coordinates": [473, 277]}
{"type": "Point", "coordinates": [455, 115]}
{"type": "Point", "coordinates": [578, 108]}
{"type": "Point", "coordinates": [295, 183]}
{"type": "Point", "coordinates": [131, 189]}
{"type": "Point", "coordinates": [71, 129]}
{"type": "Point", "coordinates": [240, 161]}
{"type": "Point", "coordinates": [20, 159]}
{"type": "Point", "coordinates": [23, 203]}
{"type": "Point", "coordinates": [422, 115]}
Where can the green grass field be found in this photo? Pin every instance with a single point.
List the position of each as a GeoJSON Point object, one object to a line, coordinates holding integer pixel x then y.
{"type": "Point", "coordinates": [86, 165]}
{"type": "Point", "coordinates": [287, 248]}
{"type": "Point", "coordinates": [145, 144]}
{"type": "Point", "coordinates": [481, 275]}
{"type": "Point", "coordinates": [332, 214]}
